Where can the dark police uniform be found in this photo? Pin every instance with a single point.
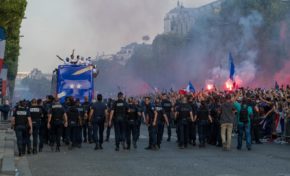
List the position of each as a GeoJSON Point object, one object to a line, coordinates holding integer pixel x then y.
{"type": "Point", "coordinates": [57, 115]}
{"type": "Point", "coordinates": [21, 115]}
{"type": "Point", "coordinates": [132, 121]}
{"type": "Point", "coordinates": [44, 132]}
{"type": "Point", "coordinates": [167, 106]}
{"type": "Point", "coordinates": [183, 122]}
{"type": "Point", "coordinates": [193, 125]}
{"type": "Point", "coordinates": [82, 112]}
{"type": "Point", "coordinates": [87, 127]}
{"type": "Point", "coordinates": [139, 120]}
{"type": "Point", "coordinates": [108, 131]}
{"type": "Point", "coordinates": [120, 110]}
{"type": "Point", "coordinates": [160, 123]}
{"type": "Point", "coordinates": [215, 126]}
{"type": "Point", "coordinates": [202, 120]}
{"type": "Point", "coordinates": [36, 113]}
{"type": "Point", "coordinates": [149, 112]}
{"type": "Point", "coordinates": [176, 106]}
{"type": "Point", "coordinates": [98, 121]}
{"type": "Point", "coordinates": [255, 125]}
{"type": "Point", "coordinates": [73, 116]}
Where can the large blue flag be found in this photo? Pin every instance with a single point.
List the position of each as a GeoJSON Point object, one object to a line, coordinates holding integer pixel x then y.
{"type": "Point", "coordinates": [190, 88]}
{"type": "Point", "coordinates": [232, 67]}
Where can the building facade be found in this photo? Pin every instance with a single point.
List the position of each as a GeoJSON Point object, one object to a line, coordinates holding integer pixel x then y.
{"type": "Point", "coordinates": [181, 20]}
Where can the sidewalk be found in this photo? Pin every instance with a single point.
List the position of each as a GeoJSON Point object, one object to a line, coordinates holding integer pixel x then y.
{"type": "Point", "coordinates": [7, 142]}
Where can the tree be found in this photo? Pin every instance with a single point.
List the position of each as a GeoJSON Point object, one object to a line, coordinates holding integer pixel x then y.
{"type": "Point", "coordinates": [12, 13]}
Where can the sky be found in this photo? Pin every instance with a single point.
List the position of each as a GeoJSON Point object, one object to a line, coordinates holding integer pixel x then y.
{"type": "Point", "coordinates": [91, 27]}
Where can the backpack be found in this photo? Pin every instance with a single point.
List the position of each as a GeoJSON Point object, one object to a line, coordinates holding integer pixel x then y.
{"type": "Point", "coordinates": [244, 114]}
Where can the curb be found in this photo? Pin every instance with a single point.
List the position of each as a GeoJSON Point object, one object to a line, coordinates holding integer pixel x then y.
{"type": "Point", "coordinates": [7, 167]}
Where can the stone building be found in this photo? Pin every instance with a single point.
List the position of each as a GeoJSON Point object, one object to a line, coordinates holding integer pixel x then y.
{"type": "Point", "coordinates": [181, 20]}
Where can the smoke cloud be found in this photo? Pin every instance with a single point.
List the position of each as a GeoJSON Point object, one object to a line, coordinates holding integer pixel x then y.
{"type": "Point", "coordinates": [201, 56]}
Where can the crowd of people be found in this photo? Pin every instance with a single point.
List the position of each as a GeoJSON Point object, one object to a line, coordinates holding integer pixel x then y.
{"type": "Point", "coordinates": [258, 115]}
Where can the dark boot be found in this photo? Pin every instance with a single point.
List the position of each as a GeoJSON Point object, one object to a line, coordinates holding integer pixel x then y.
{"type": "Point", "coordinates": [34, 151]}
{"type": "Point", "coordinates": [97, 147]}
{"type": "Point", "coordinates": [57, 149]}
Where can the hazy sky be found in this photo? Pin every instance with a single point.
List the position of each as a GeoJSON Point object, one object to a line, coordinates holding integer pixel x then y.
{"type": "Point", "coordinates": [89, 26]}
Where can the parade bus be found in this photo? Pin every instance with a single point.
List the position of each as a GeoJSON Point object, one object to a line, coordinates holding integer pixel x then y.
{"type": "Point", "coordinates": [73, 80]}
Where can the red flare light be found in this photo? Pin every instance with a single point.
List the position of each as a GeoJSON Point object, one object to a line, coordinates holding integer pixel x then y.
{"type": "Point", "coordinates": [229, 85]}
{"type": "Point", "coordinates": [209, 87]}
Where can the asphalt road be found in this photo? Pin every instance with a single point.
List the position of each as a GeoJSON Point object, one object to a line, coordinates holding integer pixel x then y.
{"type": "Point", "coordinates": [266, 160]}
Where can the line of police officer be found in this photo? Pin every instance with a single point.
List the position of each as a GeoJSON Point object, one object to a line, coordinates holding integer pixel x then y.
{"type": "Point", "coordinates": [74, 123]}
{"type": "Point", "coordinates": [187, 116]}
{"type": "Point", "coordinates": [51, 121]}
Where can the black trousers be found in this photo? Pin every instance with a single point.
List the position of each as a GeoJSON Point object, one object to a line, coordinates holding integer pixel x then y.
{"type": "Point", "coordinates": [20, 131]}
{"type": "Point", "coordinates": [98, 131]}
{"type": "Point", "coordinates": [170, 121]}
{"type": "Point", "coordinates": [183, 133]}
{"type": "Point", "coordinates": [215, 133]}
{"type": "Point", "coordinates": [36, 134]}
{"type": "Point", "coordinates": [87, 131]}
{"type": "Point", "coordinates": [120, 130]}
{"type": "Point", "coordinates": [160, 131]}
{"type": "Point", "coordinates": [42, 129]}
{"type": "Point", "coordinates": [192, 131]}
{"type": "Point", "coordinates": [131, 131]}
{"type": "Point", "coordinates": [56, 133]}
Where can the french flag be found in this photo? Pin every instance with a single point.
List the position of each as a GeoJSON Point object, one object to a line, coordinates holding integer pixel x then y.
{"type": "Point", "coordinates": [2, 47]}
{"type": "Point", "coordinates": [189, 89]}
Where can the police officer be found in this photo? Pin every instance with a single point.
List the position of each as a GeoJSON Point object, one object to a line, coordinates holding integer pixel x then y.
{"type": "Point", "coordinates": [87, 127]}
{"type": "Point", "coordinates": [256, 121]}
{"type": "Point", "coordinates": [149, 120]}
{"type": "Point", "coordinates": [74, 120]}
{"type": "Point", "coordinates": [176, 105]}
{"type": "Point", "coordinates": [184, 117]}
{"type": "Point", "coordinates": [203, 117]}
{"type": "Point", "coordinates": [21, 122]}
{"type": "Point", "coordinates": [167, 106]}
{"type": "Point", "coordinates": [83, 116]}
{"type": "Point", "coordinates": [215, 126]}
{"type": "Point", "coordinates": [43, 125]}
{"type": "Point", "coordinates": [140, 110]}
{"type": "Point", "coordinates": [192, 124]}
{"type": "Point", "coordinates": [36, 116]}
{"type": "Point", "coordinates": [44, 131]}
{"type": "Point", "coordinates": [27, 134]}
{"type": "Point", "coordinates": [108, 130]}
{"type": "Point", "coordinates": [66, 131]}
{"type": "Point", "coordinates": [57, 119]}
{"type": "Point", "coordinates": [118, 112]}
{"type": "Point", "coordinates": [160, 119]}
{"type": "Point", "coordinates": [97, 117]}
{"type": "Point", "coordinates": [132, 121]}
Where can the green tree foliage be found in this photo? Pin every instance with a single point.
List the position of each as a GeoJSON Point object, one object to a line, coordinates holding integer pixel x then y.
{"type": "Point", "coordinates": [11, 15]}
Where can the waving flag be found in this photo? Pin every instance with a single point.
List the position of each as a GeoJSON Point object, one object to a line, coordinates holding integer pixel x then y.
{"type": "Point", "coordinates": [182, 92]}
{"type": "Point", "coordinates": [2, 47]}
{"type": "Point", "coordinates": [232, 67]}
{"type": "Point", "coordinates": [190, 88]}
